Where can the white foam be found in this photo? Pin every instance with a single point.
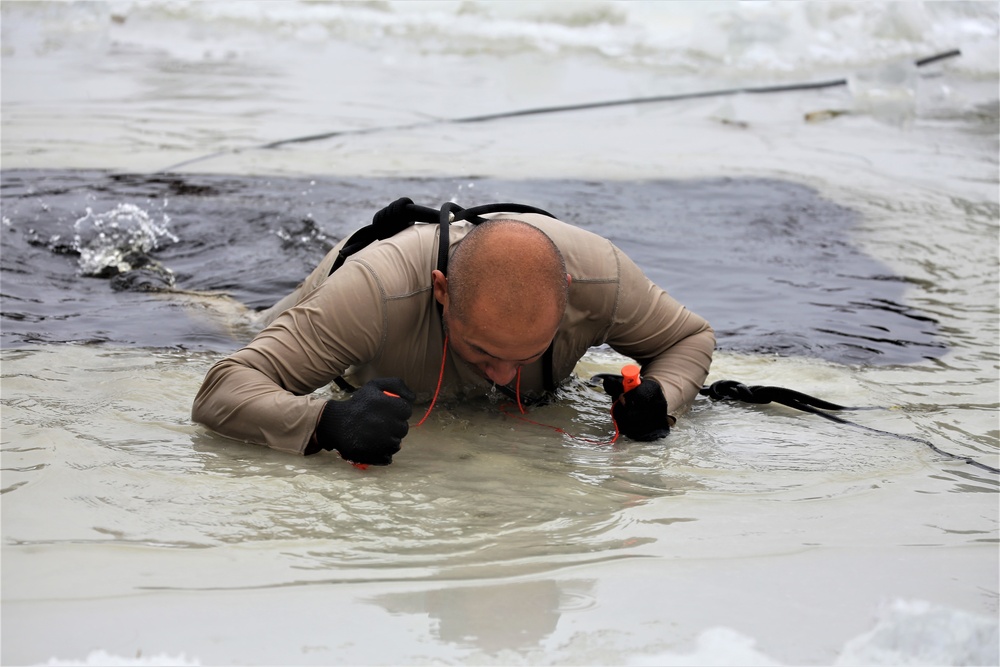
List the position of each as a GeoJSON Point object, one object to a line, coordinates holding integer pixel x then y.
{"type": "Point", "coordinates": [921, 633]}
{"type": "Point", "coordinates": [907, 632]}
{"type": "Point", "coordinates": [104, 658]}
{"type": "Point", "coordinates": [741, 38]}
{"type": "Point", "coordinates": [715, 646]}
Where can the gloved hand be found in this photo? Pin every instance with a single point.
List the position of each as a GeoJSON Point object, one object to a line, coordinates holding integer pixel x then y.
{"type": "Point", "coordinates": [368, 427]}
{"type": "Point", "coordinates": [641, 414]}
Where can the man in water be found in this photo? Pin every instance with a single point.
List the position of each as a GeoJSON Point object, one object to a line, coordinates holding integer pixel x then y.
{"type": "Point", "coordinates": [524, 299]}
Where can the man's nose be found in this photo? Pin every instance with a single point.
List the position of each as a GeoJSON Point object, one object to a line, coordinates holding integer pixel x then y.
{"type": "Point", "coordinates": [501, 372]}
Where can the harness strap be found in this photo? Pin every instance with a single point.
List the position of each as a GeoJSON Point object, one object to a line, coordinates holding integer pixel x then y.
{"type": "Point", "coordinates": [452, 212]}
{"type": "Point", "coordinates": [386, 223]}
{"type": "Point", "coordinates": [731, 389]}
{"type": "Point", "coordinates": [548, 372]}
{"type": "Point", "coordinates": [403, 213]}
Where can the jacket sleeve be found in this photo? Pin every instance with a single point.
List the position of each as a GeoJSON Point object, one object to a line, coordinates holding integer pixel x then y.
{"type": "Point", "coordinates": [672, 345]}
{"type": "Point", "coordinates": [263, 393]}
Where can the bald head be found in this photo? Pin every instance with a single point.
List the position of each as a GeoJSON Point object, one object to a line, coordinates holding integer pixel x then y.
{"type": "Point", "coordinates": [510, 268]}
{"type": "Point", "coordinates": [504, 297]}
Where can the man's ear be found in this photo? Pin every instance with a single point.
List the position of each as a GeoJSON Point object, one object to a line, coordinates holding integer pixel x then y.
{"type": "Point", "coordinates": [440, 283]}
{"type": "Point", "coordinates": [569, 280]}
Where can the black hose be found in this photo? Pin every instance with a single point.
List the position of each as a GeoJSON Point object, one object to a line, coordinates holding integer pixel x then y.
{"type": "Point", "coordinates": [732, 390]}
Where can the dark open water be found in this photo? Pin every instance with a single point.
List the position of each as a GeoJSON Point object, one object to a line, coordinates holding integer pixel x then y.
{"type": "Point", "coordinates": [771, 264]}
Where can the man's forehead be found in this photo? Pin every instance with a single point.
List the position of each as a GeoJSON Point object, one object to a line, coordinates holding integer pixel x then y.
{"type": "Point", "coordinates": [502, 340]}
{"type": "Point", "coordinates": [499, 356]}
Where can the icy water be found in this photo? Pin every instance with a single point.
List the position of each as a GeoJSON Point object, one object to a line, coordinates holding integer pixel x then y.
{"type": "Point", "coordinates": [781, 276]}
{"type": "Point", "coordinates": [842, 241]}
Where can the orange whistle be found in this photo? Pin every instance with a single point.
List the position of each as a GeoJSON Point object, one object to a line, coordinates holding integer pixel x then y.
{"type": "Point", "coordinates": [389, 393]}
{"type": "Point", "coordinates": [630, 377]}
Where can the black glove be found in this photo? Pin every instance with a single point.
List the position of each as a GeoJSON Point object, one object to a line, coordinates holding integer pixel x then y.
{"type": "Point", "coordinates": [641, 414]}
{"type": "Point", "coordinates": [368, 427]}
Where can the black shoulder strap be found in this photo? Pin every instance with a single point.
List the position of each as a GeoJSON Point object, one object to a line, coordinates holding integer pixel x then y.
{"type": "Point", "coordinates": [388, 222]}
{"type": "Point", "coordinates": [448, 210]}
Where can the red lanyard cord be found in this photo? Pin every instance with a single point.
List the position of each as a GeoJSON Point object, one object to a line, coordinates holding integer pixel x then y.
{"type": "Point", "coordinates": [437, 390]}
{"type": "Point", "coordinates": [520, 407]}
{"type": "Point", "coordinates": [557, 429]}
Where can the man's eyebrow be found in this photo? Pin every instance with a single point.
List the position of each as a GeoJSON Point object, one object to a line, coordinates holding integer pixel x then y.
{"type": "Point", "coordinates": [493, 356]}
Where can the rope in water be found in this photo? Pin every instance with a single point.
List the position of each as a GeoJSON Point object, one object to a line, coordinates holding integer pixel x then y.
{"type": "Point", "coordinates": [732, 390]}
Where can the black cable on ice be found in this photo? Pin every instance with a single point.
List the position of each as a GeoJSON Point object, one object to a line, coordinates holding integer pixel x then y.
{"type": "Point", "coordinates": [585, 106]}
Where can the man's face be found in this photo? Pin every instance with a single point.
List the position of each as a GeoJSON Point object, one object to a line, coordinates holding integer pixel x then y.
{"type": "Point", "coordinates": [494, 342]}
{"type": "Point", "coordinates": [495, 348]}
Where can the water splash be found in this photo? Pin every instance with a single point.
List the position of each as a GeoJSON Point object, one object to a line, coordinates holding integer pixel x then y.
{"type": "Point", "coordinates": [306, 234]}
{"type": "Point", "coordinates": [119, 241]}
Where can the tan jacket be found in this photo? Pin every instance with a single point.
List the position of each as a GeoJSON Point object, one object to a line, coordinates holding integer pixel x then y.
{"type": "Point", "coordinates": [376, 317]}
